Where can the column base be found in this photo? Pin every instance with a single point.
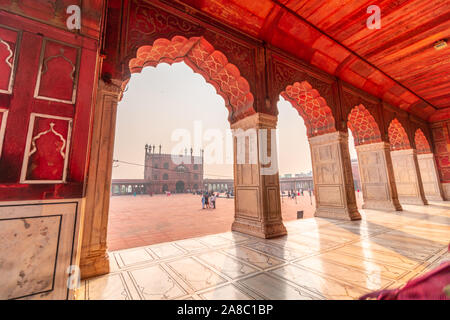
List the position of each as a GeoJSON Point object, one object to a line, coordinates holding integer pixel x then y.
{"type": "Point", "coordinates": [94, 265]}
{"type": "Point", "coordinates": [337, 213]}
{"type": "Point", "coordinates": [417, 201]}
{"type": "Point", "coordinates": [259, 229]}
{"type": "Point", "coordinates": [434, 198]}
{"type": "Point", "coordinates": [382, 205]}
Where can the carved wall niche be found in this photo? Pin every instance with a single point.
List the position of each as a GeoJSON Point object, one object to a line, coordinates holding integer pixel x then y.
{"type": "Point", "coordinates": [58, 61]}
{"type": "Point", "coordinates": [3, 119]}
{"type": "Point", "coordinates": [47, 149]}
{"type": "Point", "coordinates": [9, 51]}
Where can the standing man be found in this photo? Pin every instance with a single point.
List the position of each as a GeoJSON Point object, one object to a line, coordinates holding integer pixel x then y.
{"type": "Point", "coordinates": [213, 200]}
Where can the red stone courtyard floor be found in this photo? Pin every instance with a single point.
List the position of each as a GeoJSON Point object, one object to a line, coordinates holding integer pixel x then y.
{"type": "Point", "coordinates": [144, 220]}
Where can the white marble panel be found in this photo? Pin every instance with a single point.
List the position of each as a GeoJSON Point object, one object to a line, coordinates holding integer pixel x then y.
{"type": "Point", "coordinates": [154, 283]}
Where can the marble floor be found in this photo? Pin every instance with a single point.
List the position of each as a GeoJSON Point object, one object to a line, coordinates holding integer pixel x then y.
{"type": "Point", "coordinates": [319, 259]}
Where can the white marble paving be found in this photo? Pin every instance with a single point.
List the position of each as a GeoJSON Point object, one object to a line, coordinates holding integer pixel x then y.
{"type": "Point", "coordinates": [319, 259]}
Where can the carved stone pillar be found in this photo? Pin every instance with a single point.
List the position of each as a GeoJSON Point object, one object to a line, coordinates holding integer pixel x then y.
{"type": "Point", "coordinates": [377, 177]}
{"type": "Point", "coordinates": [407, 177]}
{"type": "Point", "coordinates": [430, 178]}
{"type": "Point", "coordinates": [94, 256]}
{"type": "Point", "coordinates": [256, 180]}
{"type": "Point", "coordinates": [333, 179]}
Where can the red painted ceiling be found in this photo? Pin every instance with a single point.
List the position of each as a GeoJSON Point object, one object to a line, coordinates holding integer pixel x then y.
{"type": "Point", "coordinates": [397, 63]}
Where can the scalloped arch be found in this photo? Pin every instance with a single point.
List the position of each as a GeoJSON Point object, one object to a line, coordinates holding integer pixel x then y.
{"type": "Point", "coordinates": [397, 136]}
{"type": "Point", "coordinates": [363, 126]}
{"type": "Point", "coordinates": [422, 145]}
{"type": "Point", "coordinates": [212, 64]}
{"type": "Point", "coordinates": [312, 108]}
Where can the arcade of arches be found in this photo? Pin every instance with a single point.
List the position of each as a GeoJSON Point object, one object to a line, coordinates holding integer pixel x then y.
{"type": "Point", "coordinates": [56, 141]}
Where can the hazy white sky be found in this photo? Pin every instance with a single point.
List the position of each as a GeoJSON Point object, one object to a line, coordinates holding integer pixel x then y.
{"type": "Point", "coordinates": [167, 100]}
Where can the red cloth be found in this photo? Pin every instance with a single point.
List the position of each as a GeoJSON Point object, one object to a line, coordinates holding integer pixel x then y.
{"type": "Point", "coordinates": [429, 286]}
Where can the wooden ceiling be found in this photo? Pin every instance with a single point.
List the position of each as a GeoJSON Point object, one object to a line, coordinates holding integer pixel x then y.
{"type": "Point", "coordinates": [397, 63]}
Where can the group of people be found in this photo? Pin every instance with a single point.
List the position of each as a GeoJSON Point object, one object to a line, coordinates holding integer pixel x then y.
{"type": "Point", "coordinates": [209, 200]}
{"type": "Point", "coordinates": [293, 194]}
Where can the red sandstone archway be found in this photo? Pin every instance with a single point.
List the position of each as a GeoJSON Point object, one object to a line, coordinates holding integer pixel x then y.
{"type": "Point", "coordinates": [363, 126]}
{"type": "Point", "coordinates": [422, 145]}
{"type": "Point", "coordinates": [397, 136]}
{"type": "Point", "coordinates": [213, 65]}
{"type": "Point", "coordinates": [312, 108]}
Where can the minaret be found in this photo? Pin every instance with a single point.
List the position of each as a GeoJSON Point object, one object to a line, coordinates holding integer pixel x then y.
{"type": "Point", "coordinates": [160, 149]}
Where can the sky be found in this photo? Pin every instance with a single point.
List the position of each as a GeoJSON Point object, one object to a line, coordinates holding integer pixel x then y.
{"type": "Point", "coordinates": [172, 106]}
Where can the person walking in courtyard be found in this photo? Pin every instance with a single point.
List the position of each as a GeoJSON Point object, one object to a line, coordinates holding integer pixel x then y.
{"type": "Point", "coordinates": [213, 200]}
{"type": "Point", "coordinates": [203, 201]}
{"type": "Point", "coordinates": [207, 200]}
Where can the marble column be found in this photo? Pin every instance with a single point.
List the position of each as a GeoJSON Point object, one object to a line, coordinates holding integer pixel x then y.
{"type": "Point", "coordinates": [256, 180]}
{"type": "Point", "coordinates": [332, 175]}
{"type": "Point", "coordinates": [377, 177]}
{"type": "Point", "coordinates": [94, 256]}
{"type": "Point", "coordinates": [407, 177]}
{"type": "Point", "coordinates": [430, 178]}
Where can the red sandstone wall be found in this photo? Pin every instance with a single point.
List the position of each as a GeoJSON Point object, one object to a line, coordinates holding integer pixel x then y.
{"type": "Point", "coordinates": [47, 78]}
{"type": "Point", "coordinates": [153, 160]}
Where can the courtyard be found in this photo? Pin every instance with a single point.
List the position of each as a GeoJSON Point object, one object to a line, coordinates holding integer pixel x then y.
{"type": "Point", "coordinates": [136, 221]}
{"type": "Point", "coordinates": [318, 259]}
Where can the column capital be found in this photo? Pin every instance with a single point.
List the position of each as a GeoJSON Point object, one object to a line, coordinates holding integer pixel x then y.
{"type": "Point", "coordinates": [112, 87]}
{"type": "Point", "coordinates": [373, 146]}
{"type": "Point", "coordinates": [404, 152]}
{"type": "Point", "coordinates": [338, 136]}
{"type": "Point", "coordinates": [256, 121]}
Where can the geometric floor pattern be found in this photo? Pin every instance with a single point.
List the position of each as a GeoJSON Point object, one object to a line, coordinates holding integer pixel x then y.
{"type": "Point", "coordinates": [318, 259]}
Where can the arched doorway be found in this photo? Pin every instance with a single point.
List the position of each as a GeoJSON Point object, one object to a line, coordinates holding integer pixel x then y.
{"type": "Point", "coordinates": [165, 188]}
{"type": "Point", "coordinates": [235, 90]}
{"type": "Point", "coordinates": [374, 161]}
{"type": "Point", "coordinates": [406, 169]}
{"type": "Point", "coordinates": [179, 186]}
